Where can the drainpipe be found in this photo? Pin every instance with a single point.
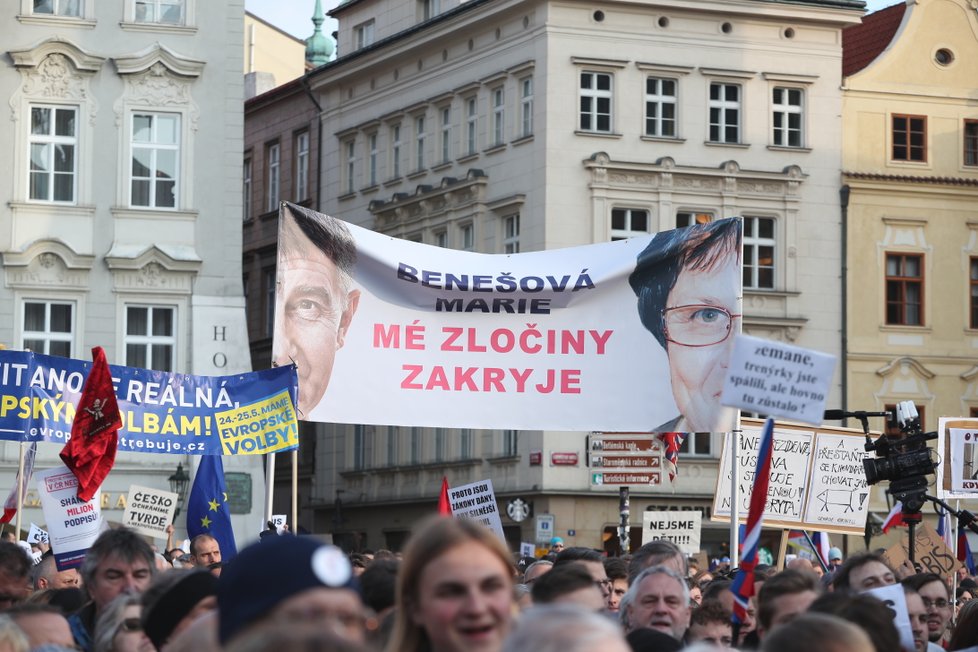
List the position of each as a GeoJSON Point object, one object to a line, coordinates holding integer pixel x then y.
{"type": "Point", "coordinates": [844, 252]}
{"type": "Point", "coordinates": [319, 141]}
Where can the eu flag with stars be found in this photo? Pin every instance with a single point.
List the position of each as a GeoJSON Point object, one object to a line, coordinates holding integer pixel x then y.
{"type": "Point", "coordinates": [207, 509]}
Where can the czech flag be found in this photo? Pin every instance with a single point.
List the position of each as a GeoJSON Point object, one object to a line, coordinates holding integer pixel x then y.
{"type": "Point", "coordinates": [964, 551]}
{"type": "Point", "coordinates": [895, 517]}
{"type": "Point", "coordinates": [672, 441]}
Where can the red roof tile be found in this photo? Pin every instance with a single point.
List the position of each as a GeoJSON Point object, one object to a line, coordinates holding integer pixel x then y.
{"type": "Point", "coordinates": [862, 43]}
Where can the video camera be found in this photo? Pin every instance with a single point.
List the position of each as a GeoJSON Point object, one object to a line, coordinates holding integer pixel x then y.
{"type": "Point", "coordinates": [905, 461]}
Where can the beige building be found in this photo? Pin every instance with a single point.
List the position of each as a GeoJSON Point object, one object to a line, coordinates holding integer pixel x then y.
{"type": "Point", "coordinates": [910, 160]}
{"type": "Point", "coordinates": [272, 57]}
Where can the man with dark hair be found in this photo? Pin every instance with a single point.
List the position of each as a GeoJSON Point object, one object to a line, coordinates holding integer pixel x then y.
{"type": "Point", "coordinates": [593, 561]}
{"type": "Point", "coordinates": [863, 570]}
{"type": "Point", "coordinates": [120, 561]}
{"type": "Point", "coordinates": [864, 610]}
{"type": "Point", "coordinates": [918, 618]}
{"type": "Point", "coordinates": [568, 584]}
{"type": "Point", "coordinates": [315, 300]}
{"type": "Point", "coordinates": [936, 598]}
{"type": "Point", "coordinates": [658, 553]}
{"type": "Point", "coordinates": [15, 571]}
{"type": "Point", "coordinates": [783, 597]}
{"type": "Point", "coordinates": [205, 552]}
{"type": "Point", "coordinates": [45, 575]}
{"type": "Point", "coordinates": [710, 623]}
{"type": "Point", "coordinates": [720, 590]}
{"type": "Point", "coordinates": [617, 571]}
{"type": "Point", "coordinates": [378, 585]}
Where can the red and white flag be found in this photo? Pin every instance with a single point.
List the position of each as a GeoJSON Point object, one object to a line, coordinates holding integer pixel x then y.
{"type": "Point", "coordinates": [20, 482]}
{"type": "Point", "coordinates": [895, 517]}
{"type": "Point", "coordinates": [90, 453]}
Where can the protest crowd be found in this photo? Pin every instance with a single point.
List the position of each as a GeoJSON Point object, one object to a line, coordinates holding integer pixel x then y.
{"type": "Point", "coordinates": [457, 588]}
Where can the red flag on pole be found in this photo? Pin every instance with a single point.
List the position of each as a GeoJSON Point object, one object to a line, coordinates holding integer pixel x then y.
{"type": "Point", "coordinates": [444, 507]}
{"type": "Point", "coordinates": [90, 453]}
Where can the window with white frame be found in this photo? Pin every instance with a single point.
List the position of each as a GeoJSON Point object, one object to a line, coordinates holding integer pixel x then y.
{"type": "Point", "coordinates": [274, 163]}
{"type": "Point", "coordinates": [628, 223]}
{"type": "Point", "coordinates": [526, 106]}
{"type": "Point", "coordinates": [689, 218]}
{"type": "Point", "coordinates": [471, 125]}
{"type": "Point", "coordinates": [510, 442]}
{"type": "Point", "coordinates": [697, 444]}
{"type": "Point", "coordinates": [246, 189]}
{"type": "Point", "coordinates": [420, 137]}
{"type": "Point", "coordinates": [372, 158]}
{"type": "Point", "coordinates": [391, 445]}
{"type": "Point", "coordinates": [49, 327]}
{"type": "Point", "coordinates": [167, 12]}
{"type": "Point", "coordinates": [465, 444]}
{"type": "Point", "coordinates": [351, 166]}
{"type": "Point", "coordinates": [759, 246]}
{"type": "Point", "coordinates": [724, 113]}
{"type": "Point", "coordinates": [364, 34]}
{"type": "Point", "coordinates": [53, 145]}
{"type": "Point", "coordinates": [786, 105]}
{"type": "Point", "coordinates": [498, 115]}
{"type": "Point", "coordinates": [302, 166]}
{"type": "Point", "coordinates": [446, 134]}
{"type": "Point", "coordinates": [151, 339]}
{"type": "Point", "coordinates": [467, 232]}
{"type": "Point", "coordinates": [395, 151]}
{"type": "Point", "coordinates": [155, 159]}
{"type": "Point", "coordinates": [58, 7]}
{"type": "Point", "coordinates": [511, 234]}
{"type": "Point", "coordinates": [660, 107]}
{"type": "Point", "coordinates": [595, 113]}
{"type": "Point", "coordinates": [430, 8]}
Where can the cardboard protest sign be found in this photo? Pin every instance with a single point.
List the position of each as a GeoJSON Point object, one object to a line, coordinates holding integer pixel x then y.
{"type": "Point", "coordinates": [477, 501]}
{"type": "Point", "coordinates": [73, 525]}
{"type": "Point", "coordinates": [681, 528]}
{"type": "Point", "coordinates": [149, 511]}
{"type": "Point", "coordinates": [930, 552]}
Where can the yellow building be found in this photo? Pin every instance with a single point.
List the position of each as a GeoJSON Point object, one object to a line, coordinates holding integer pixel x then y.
{"type": "Point", "coordinates": [910, 198]}
{"type": "Point", "coordinates": [271, 56]}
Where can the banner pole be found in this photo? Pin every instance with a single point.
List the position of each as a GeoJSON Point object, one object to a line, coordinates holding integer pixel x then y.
{"type": "Point", "coordinates": [734, 494]}
{"type": "Point", "coordinates": [20, 488]}
{"type": "Point", "coordinates": [269, 487]}
{"type": "Point", "coordinates": [295, 491]}
{"type": "Point", "coordinates": [624, 540]}
{"type": "Point", "coordinates": [783, 552]}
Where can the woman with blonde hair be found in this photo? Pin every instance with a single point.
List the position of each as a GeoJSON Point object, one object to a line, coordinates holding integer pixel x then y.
{"type": "Point", "coordinates": [454, 590]}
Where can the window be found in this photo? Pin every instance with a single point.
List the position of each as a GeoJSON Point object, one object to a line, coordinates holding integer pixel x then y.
{"type": "Point", "coordinates": [786, 104]}
{"type": "Point", "coordinates": [415, 445]}
{"type": "Point", "coordinates": [150, 337]}
{"type": "Point", "coordinates": [510, 443]}
{"type": "Point", "coordinates": [628, 222]}
{"type": "Point", "coordinates": [974, 292]}
{"type": "Point", "coordinates": [971, 142]}
{"type": "Point", "coordinates": [498, 116]}
{"type": "Point", "coordinates": [909, 138]}
{"type": "Point", "coordinates": [372, 160]}
{"type": "Point", "coordinates": [168, 12]}
{"type": "Point", "coordinates": [395, 151]}
{"type": "Point", "coordinates": [904, 289]}
{"type": "Point", "coordinates": [351, 166]}
{"type": "Point", "coordinates": [759, 253]}
{"type": "Point", "coordinates": [391, 445]}
{"type": "Point", "coordinates": [596, 102]}
{"type": "Point", "coordinates": [302, 166]}
{"type": "Point", "coordinates": [365, 34]}
{"type": "Point", "coordinates": [53, 141]}
{"type": "Point", "coordinates": [468, 237]}
{"type": "Point", "coordinates": [471, 125]}
{"type": "Point", "coordinates": [272, 155]}
{"type": "Point", "coordinates": [359, 447]}
{"type": "Point", "coordinates": [268, 287]}
{"type": "Point", "coordinates": [430, 8]}
{"type": "Point", "coordinates": [441, 239]}
{"type": "Point", "coordinates": [660, 107]}
{"type": "Point", "coordinates": [511, 234]}
{"type": "Point", "coordinates": [419, 141]}
{"type": "Point", "coordinates": [526, 106]}
{"type": "Point", "coordinates": [440, 436]}
{"type": "Point", "coordinates": [58, 7]}
{"type": "Point", "coordinates": [724, 113]}
{"type": "Point", "coordinates": [49, 327]}
{"type": "Point", "coordinates": [689, 218]}
{"type": "Point", "coordinates": [697, 443]}
{"type": "Point", "coordinates": [246, 189]}
{"type": "Point", "coordinates": [465, 444]}
{"type": "Point", "coordinates": [155, 156]}
{"type": "Point", "coordinates": [446, 134]}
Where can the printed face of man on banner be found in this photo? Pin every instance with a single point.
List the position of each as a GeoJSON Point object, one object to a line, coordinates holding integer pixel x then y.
{"type": "Point", "coordinates": [688, 285]}
{"type": "Point", "coordinates": [314, 299]}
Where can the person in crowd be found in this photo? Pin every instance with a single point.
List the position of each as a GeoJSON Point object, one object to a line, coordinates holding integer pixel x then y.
{"type": "Point", "coordinates": [835, 559]}
{"type": "Point", "coordinates": [805, 566]}
{"type": "Point", "coordinates": [702, 578]}
{"type": "Point", "coordinates": [617, 571]}
{"type": "Point", "coordinates": [564, 628]}
{"type": "Point", "coordinates": [863, 570]}
{"type": "Point", "coordinates": [569, 584]}
{"type": "Point", "coordinates": [535, 570]}
{"type": "Point", "coordinates": [15, 573]}
{"type": "Point", "coordinates": [293, 579]}
{"type": "Point", "coordinates": [965, 633]}
{"type": "Point", "coordinates": [864, 611]}
{"type": "Point", "coordinates": [936, 598]}
{"type": "Point", "coordinates": [710, 623]}
{"type": "Point", "coordinates": [556, 545]}
{"type": "Point", "coordinates": [454, 590]}
{"type": "Point", "coordinates": [687, 282]}
{"type": "Point", "coordinates": [593, 561]}
{"type": "Point", "coordinates": [205, 552]}
{"type": "Point", "coordinates": [43, 624]}
{"type": "Point", "coordinates": [175, 600]}
{"type": "Point", "coordinates": [784, 597]}
{"type": "Point", "coordinates": [201, 636]}
{"type": "Point", "coordinates": [120, 627]}
{"type": "Point", "coordinates": [45, 575]}
{"type": "Point", "coordinates": [12, 637]}
{"type": "Point", "coordinates": [67, 601]}
{"type": "Point", "coordinates": [120, 561]}
{"type": "Point", "coordinates": [279, 637]}
{"type": "Point", "coordinates": [695, 593]}
{"type": "Point", "coordinates": [315, 302]}
{"type": "Point", "coordinates": [657, 553]}
{"type": "Point", "coordinates": [917, 613]}
{"type": "Point", "coordinates": [962, 596]}
{"type": "Point", "coordinates": [378, 586]}
{"type": "Point", "coordinates": [657, 599]}
{"type": "Point", "coordinates": [817, 633]}
{"type": "Point", "coordinates": [720, 590]}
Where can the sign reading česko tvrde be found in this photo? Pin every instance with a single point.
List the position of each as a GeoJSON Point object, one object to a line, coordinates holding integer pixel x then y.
{"type": "Point", "coordinates": [149, 511]}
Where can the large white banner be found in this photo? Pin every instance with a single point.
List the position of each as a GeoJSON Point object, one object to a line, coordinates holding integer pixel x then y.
{"type": "Point", "coordinates": [627, 335]}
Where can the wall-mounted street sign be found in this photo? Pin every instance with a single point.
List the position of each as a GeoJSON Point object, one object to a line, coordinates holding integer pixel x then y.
{"type": "Point", "coordinates": [644, 478]}
{"type": "Point", "coordinates": [624, 458]}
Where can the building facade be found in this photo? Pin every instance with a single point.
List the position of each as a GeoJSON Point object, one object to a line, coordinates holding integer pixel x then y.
{"type": "Point", "coordinates": [120, 219]}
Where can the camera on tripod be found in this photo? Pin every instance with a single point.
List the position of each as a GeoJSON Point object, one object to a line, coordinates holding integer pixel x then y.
{"type": "Point", "coordinates": [905, 461]}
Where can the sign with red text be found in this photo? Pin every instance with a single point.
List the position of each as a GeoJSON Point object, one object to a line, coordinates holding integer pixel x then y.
{"type": "Point", "coordinates": [442, 338]}
{"type": "Point", "coordinates": [681, 528]}
{"type": "Point", "coordinates": [73, 525]}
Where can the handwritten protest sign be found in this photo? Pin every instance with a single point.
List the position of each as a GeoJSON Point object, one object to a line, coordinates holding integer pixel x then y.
{"type": "Point", "coordinates": [778, 379]}
{"type": "Point", "coordinates": [930, 552]}
{"type": "Point", "coordinates": [893, 597]}
{"type": "Point", "coordinates": [957, 470]}
{"type": "Point", "coordinates": [477, 501]}
{"type": "Point", "coordinates": [73, 525]}
{"type": "Point", "coordinates": [37, 535]}
{"type": "Point", "coordinates": [682, 528]}
{"type": "Point", "coordinates": [838, 494]}
{"type": "Point", "coordinates": [149, 511]}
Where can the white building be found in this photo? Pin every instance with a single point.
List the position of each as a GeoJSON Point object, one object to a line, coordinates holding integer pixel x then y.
{"type": "Point", "coordinates": [120, 202]}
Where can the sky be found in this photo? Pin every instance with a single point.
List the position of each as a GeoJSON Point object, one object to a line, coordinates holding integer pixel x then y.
{"type": "Point", "coordinates": [294, 16]}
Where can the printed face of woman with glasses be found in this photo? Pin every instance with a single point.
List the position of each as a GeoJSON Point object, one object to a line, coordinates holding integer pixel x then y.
{"type": "Point", "coordinates": [688, 288]}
